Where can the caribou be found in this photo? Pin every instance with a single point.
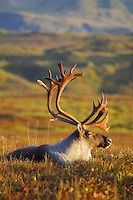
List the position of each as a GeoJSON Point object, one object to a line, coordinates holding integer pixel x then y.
{"type": "Point", "coordinates": [78, 145]}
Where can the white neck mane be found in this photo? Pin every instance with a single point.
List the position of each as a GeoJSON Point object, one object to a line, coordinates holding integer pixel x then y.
{"type": "Point", "coordinates": [70, 149]}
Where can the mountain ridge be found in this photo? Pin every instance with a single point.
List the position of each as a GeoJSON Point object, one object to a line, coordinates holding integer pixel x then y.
{"type": "Point", "coordinates": [111, 16]}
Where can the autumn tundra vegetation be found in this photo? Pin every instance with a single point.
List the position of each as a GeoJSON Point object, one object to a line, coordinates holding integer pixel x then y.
{"type": "Point", "coordinates": [24, 119]}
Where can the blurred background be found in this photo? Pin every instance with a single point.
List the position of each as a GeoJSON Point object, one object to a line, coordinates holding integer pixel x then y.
{"type": "Point", "coordinates": [34, 36]}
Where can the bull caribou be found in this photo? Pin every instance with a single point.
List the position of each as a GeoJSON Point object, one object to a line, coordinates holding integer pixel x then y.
{"type": "Point", "coordinates": [77, 146]}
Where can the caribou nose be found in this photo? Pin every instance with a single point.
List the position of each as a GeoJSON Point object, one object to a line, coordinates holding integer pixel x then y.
{"type": "Point", "coordinates": [109, 140]}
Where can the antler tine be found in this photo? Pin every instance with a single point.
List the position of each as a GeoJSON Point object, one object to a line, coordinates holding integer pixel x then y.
{"type": "Point", "coordinates": [102, 99]}
{"type": "Point", "coordinates": [42, 84]}
{"type": "Point", "coordinates": [65, 72]}
{"type": "Point", "coordinates": [57, 78]}
{"type": "Point", "coordinates": [94, 105]}
{"type": "Point", "coordinates": [101, 124]}
{"type": "Point", "coordinates": [50, 74]}
{"type": "Point", "coordinates": [71, 70]}
{"type": "Point", "coordinates": [61, 69]}
{"type": "Point", "coordinates": [99, 101]}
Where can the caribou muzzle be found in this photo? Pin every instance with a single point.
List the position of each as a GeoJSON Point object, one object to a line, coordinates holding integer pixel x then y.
{"type": "Point", "coordinates": [106, 143]}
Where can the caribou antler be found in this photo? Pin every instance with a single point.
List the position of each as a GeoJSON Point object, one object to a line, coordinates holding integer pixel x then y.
{"type": "Point", "coordinates": [51, 91]}
{"type": "Point", "coordinates": [100, 109]}
{"type": "Point", "coordinates": [101, 124]}
{"type": "Point", "coordinates": [60, 84]}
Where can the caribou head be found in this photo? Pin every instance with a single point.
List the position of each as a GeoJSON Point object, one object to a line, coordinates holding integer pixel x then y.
{"type": "Point", "coordinates": [77, 146]}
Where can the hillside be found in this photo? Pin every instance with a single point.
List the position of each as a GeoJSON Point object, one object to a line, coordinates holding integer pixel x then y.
{"type": "Point", "coordinates": [106, 60]}
{"type": "Point", "coordinates": [13, 85]}
{"type": "Point", "coordinates": [111, 16]}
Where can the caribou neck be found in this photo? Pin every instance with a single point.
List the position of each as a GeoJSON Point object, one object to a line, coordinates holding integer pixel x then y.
{"type": "Point", "coordinates": [72, 148]}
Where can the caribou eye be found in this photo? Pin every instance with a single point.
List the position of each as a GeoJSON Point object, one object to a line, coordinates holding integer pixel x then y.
{"type": "Point", "coordinates": [88, 133]}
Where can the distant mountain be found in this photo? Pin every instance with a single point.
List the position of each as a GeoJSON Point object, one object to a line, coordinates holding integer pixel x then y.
{"type": "Point", "coordinates": [50, 16]}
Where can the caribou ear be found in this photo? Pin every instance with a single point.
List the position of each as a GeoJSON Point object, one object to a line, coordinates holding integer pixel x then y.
{"type": "Point", "coordinates": [80, 130]}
